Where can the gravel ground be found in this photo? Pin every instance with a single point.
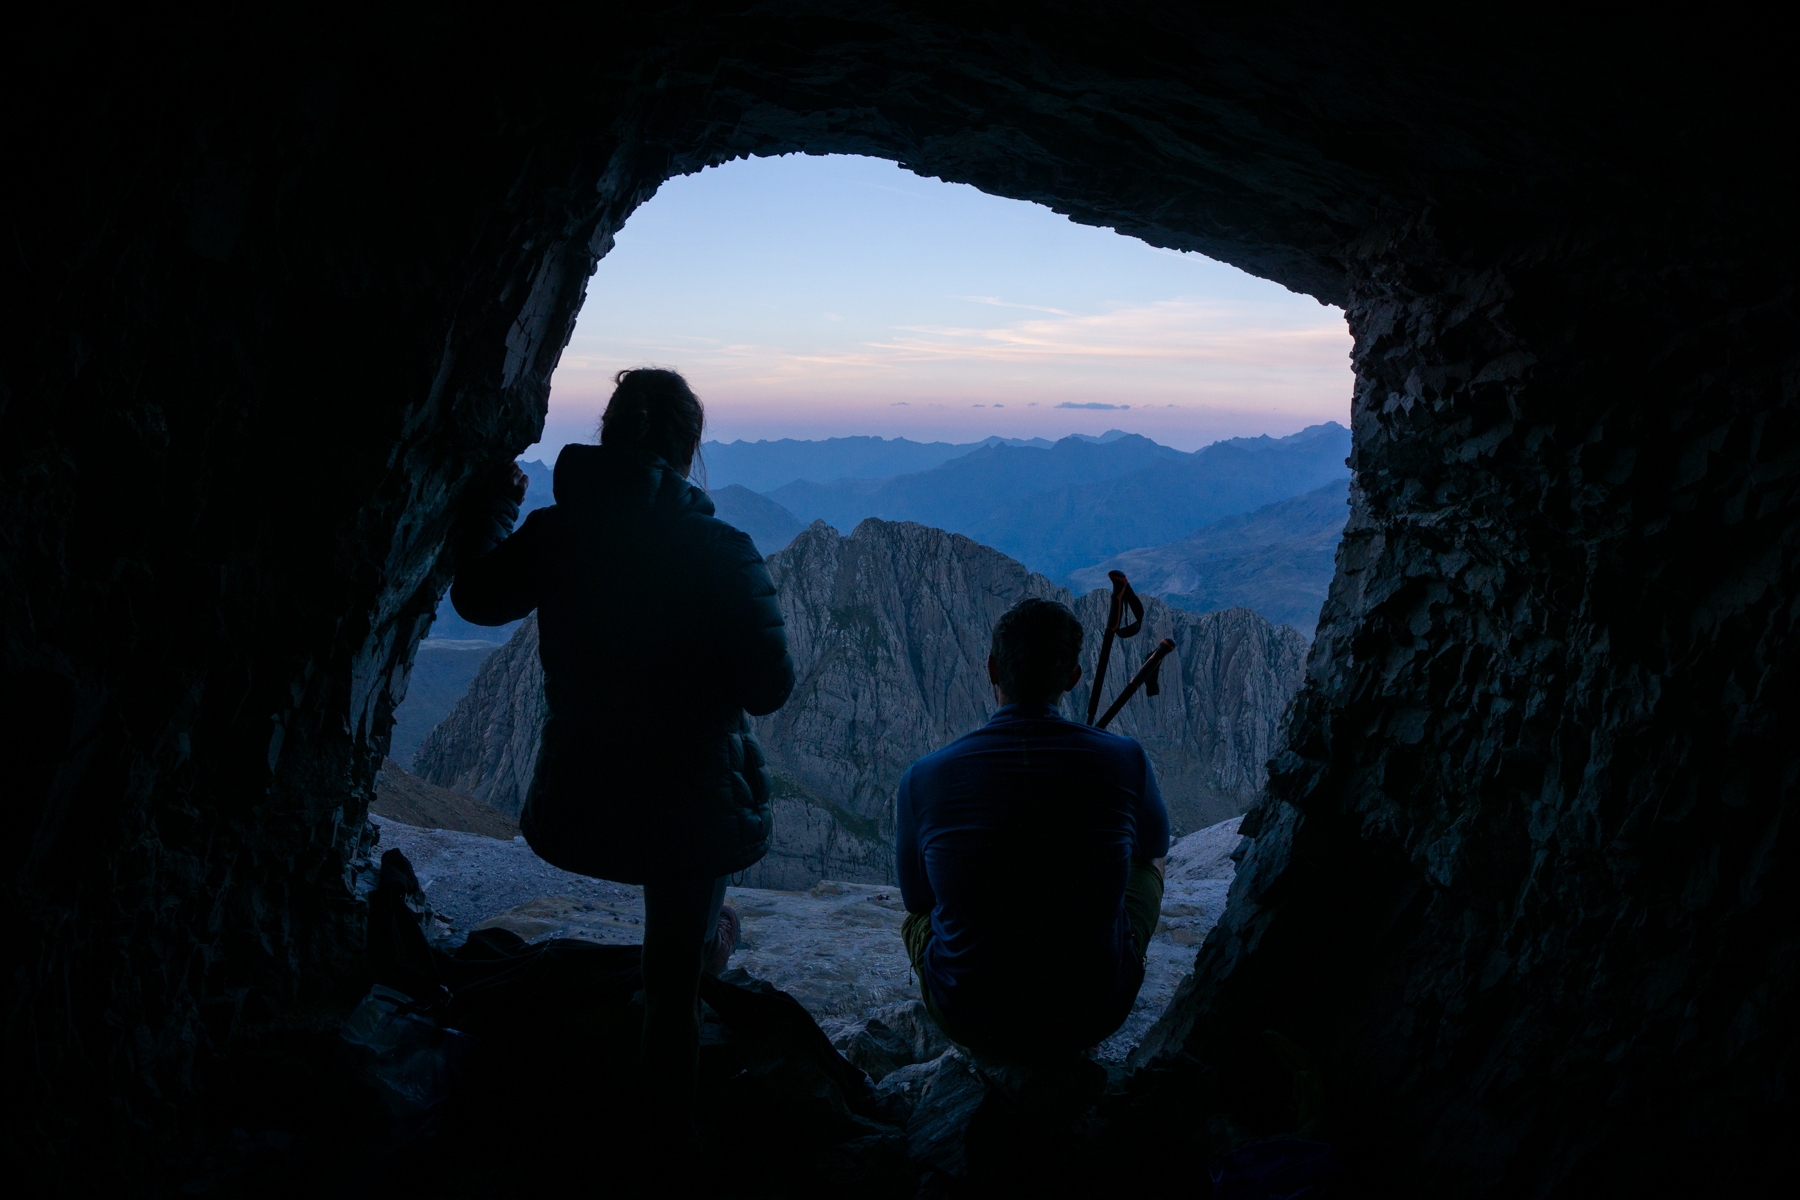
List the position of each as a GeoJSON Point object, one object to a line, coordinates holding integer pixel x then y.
{"type": "Point", "coordinates": [835, 947]}
{"type": "Point", "coordinates": [468, 878]}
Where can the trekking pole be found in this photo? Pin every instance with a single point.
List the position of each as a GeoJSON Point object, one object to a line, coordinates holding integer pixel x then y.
{"type": "Point", "coordinates": [1146, 678]}
{"type": "Point", "coordinates": [1122, 597]}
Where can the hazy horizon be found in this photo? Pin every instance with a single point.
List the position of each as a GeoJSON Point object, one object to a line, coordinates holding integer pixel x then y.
{"type": "Point", "coordinates": [539, 453]}
{"type": "Point", "coordinates": [817, 297]}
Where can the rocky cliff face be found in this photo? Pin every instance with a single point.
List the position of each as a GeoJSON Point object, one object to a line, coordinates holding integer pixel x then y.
{"type": "Point", "coordinates": [487, 747]}
{"type": "Point", "coordinates": [889, 628]}
{"type": "Point", "coordinates": [1225, 690]}
{"type": "Point", "coordinates": [889, 631]}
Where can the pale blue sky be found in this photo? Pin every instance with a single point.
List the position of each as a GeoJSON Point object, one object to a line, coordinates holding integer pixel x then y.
{"type": "Point", "coordinates": [815, 297]}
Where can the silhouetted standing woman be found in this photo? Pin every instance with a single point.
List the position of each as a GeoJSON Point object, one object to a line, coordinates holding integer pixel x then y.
{"type": "Point", "coordinates": [658, 629]}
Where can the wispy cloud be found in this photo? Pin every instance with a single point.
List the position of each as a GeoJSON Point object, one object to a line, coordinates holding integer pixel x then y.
{"type": "Point", "coordinates": [1168, 335]}
{"type": "Point", "coordinates": [1096, 404]}
{"type": "Point", "coordinates": [997, 302]}
{"type": "Point", "coordinates": [1175, 332]}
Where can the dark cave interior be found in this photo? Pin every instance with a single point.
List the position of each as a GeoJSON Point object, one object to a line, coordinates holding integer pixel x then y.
{"type": "Point", "coordinates": [288, 290]}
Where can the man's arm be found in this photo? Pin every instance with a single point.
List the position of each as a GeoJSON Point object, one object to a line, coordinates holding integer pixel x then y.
{"type": "Point", "coordinates": [915, 887]}
{"type": "Point", "coordinates": [1152, 822]}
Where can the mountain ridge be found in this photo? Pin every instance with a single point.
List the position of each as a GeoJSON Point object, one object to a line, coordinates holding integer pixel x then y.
{"type": "Point", "coordinates": [1277, 560]}
{"type": "Point", "coordinates": [769, 525]}
{"type": "Point", "coordinates": [946, 496]}
{"type": "Point", "coordinates": [1064, 529]}
{"type": "Point", "coordinates": [1085, 499]}
{"type": "Point", "coordinates": [765, 464]}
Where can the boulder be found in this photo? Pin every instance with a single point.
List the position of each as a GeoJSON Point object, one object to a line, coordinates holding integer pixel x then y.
{"type": "Point", "coordinates": [892, 1037]}
{"type": "Point", "coordinates": [949, 1092]}
{"type": "Point", "coordinates": [963, 1104]}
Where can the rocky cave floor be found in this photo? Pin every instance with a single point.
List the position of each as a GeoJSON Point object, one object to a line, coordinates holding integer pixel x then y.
{"type": "Point", "coordinates": [551, 1106]}
{"type": "Point", "coordinates": [835, 948]}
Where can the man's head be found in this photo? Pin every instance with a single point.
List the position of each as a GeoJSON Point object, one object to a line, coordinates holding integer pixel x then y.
{"type": "Point", "coordinates": [1036, 655]}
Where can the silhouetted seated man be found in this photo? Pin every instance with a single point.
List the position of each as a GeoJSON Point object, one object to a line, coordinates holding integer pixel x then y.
{"type": "Point", "coordinates": [1030, 857]}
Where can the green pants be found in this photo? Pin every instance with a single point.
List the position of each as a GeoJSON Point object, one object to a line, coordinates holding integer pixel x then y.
{"type": "Point", "coordinates": [1143, 908]}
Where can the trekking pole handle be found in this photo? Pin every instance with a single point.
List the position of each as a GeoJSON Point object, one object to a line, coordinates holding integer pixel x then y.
{"type": "Point", "coordinates": [1145, 678]}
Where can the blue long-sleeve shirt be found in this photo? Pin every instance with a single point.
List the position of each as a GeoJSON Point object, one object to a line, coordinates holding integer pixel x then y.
{"type": "Point", "coordinates": [1018, 840]}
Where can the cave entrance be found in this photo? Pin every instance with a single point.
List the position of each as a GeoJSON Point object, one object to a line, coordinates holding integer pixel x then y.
{"type": "Point", "coordinates": [876, 344]}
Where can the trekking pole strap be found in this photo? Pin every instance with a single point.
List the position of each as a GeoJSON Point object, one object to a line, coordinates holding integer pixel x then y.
{"type": "Point", "coordinates": [1145, 678]}
{"type": "Point", "coordinates": [1122, 598]}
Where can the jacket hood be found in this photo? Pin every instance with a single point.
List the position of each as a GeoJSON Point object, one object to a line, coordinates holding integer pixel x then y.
{"type": "Point", "coordinates": [594, 478]}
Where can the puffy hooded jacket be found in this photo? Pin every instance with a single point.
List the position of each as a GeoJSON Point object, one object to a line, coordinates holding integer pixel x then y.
{"type": "Point", "coordinates": [658, 628]}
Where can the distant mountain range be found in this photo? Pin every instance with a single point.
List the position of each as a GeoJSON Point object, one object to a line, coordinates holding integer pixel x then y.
{"type": "Point", "coordinates": [764, 466]}
{"type": "Point", "coordinates": [1057, 507]}
{"type": "Point", "coordinates": [959, 493]}
{"type": "Point", "coordinates": [1277, 560]}
{"type": "Point", "coordinates": [1063, 530]}
{"type": "Point", "coordinates": [1077, 502]}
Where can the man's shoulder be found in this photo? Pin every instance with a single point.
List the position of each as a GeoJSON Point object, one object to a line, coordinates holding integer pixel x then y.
{"type": "Point", "coordinates": [926, 764]}
{"type": "Point", "coordinates": [1120, 743]}
{"type": "Point", "coordinates": [924, 768]}
{"type": "Point", "coordinates": [1073, 733]}
{"type": "Point", "coordinates": [1059, 728]}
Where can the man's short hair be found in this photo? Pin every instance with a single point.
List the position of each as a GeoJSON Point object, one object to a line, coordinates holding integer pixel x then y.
{"type": "Point", "coordinates": [1036, 646]}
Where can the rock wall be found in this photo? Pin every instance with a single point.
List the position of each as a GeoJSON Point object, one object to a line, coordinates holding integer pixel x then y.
{"type": "Point", "coordinates": [889, 628]}
{"type": "Point", "coordinates": [283, 295]}
{"type": "Point", "coordinates": [1528, 826]}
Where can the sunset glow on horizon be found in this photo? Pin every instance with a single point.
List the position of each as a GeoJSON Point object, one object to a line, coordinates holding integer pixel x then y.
{"type": "Point", "coordinates": [820, 297]}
